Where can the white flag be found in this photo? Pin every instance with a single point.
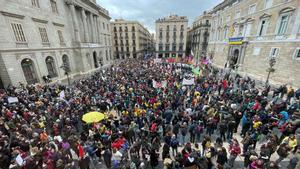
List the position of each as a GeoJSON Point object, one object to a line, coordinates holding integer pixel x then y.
{"type": "Point", "coordinates": [62, 95]}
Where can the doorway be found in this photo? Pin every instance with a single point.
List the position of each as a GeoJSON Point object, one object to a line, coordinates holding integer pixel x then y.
{"type": "Point", "coordinates": [95, 59]}
{"type": "Point", "coordinates": [234, 58]}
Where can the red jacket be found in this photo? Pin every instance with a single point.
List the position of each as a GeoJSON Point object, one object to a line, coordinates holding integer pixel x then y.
{"type": "Point", "coordinates": [80, 151]}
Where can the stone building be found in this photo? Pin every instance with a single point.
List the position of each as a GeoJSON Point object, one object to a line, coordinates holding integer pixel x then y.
{"type": "Point", "coordinates": [38, 37]}
{"type": "Point", "coordinates": [131, 39]}
{"type": "Point", "coordinates": [171, 36]}
{"type": "Point", "coordinates": [199, 34]}
{"type": "Point", "coordinates": [245, 34]}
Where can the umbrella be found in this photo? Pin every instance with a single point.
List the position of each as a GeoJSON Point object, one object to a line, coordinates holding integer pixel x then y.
{"type": "Point", "coordinates": [92, 117]}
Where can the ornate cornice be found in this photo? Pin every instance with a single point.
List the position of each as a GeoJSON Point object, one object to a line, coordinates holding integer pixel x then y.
{"type": "Point", "coordinates": [58, 24]}
{"type": "Point", "coordinates": [39, 20]}
{"type": "Point", "coordinates": [265, 15]}
{"type": "Point", "coordinates": [12, 15]}
{"type": "Point", "coordinates": [287, 9]}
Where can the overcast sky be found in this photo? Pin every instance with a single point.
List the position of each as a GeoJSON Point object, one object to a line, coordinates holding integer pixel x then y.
{"type": "Point", "coordinates": [147, 11]}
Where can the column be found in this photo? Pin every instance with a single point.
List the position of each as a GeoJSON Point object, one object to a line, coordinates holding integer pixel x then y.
{"type": "Point", "coordinates": [86, 32]}
{"type": "Point", "coordinates": [96, 28]}
{"type": "Point", "coordinates": [93, 27]}
{"type": "Point", "coordinates": [75, 22]}
{"type": "Point", "coordinates": [99, 30]}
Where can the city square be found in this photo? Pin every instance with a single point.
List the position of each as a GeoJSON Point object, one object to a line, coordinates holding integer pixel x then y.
{"type": "Point", "coordinates": [207, 84]}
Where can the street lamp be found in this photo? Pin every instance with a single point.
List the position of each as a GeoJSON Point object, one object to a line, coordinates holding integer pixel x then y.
{"type": "Point", "coordinates": [66, 68]}
{"type": "Point", "coordinates": [272, 62]}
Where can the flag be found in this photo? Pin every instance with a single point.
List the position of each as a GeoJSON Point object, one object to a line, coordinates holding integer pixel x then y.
{"type": "Point", "coordinates": [171, 60]}
{"type": "Point", "coordinates": [62, 95]}
{"type": "Point", "coordinates": [196, 71]}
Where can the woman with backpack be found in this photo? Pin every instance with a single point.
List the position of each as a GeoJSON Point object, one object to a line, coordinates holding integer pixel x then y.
{"type": "Point", "coordinates": [174, 144]}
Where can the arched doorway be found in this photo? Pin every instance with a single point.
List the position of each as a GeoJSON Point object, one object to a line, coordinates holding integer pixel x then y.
{"type": "Point", "coordinates": [234, 58]}
{"type": "Point", "coordinates": [66, 63]}
{"type": "Point", "coordinates": [1, 84]}
{"type": "Point", "coordinates": [51, 67]}
{"type": "Point", "coordinates": [29, 71]}
{"type": "Point", "coordinates": [95, 59]}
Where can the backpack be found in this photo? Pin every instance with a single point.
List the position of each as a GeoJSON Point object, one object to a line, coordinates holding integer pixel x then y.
{"type": "Point", "coordinates": [174, 143]}
{"type": "Point", "coordinates": [282, 151]}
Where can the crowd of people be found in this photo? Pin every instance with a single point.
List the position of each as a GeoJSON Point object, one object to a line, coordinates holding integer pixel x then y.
{"type": "Point", "coordinates": [167, 125]}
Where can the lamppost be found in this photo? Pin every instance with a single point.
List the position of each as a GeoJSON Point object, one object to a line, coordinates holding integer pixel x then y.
{"type": "Point", "coordinates": [272, 62]}
{"type": "Point", "coordinates": [66, 68]}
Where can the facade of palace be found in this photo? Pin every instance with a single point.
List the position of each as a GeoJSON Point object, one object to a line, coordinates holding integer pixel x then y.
{"type": "Point", "coordinates": [51, 37]}
{"type": "Point", "coordinates": [246, 34]}
{"type": "Point", "coordinates": [171, 36]}
{"type": "Point", "coordinates": [131, 39]}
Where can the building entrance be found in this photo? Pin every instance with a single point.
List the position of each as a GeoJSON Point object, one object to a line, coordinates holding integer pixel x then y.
{"type": "Point", "coordinates": [1, 84]}
{"type": "Point", "coordinates": [236, 54]}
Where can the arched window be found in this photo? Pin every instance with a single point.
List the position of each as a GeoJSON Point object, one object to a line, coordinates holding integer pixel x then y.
{"type": "Point", "coordinates": [66, 63]}
{"type": "Point", "coordinates": [29, 71]}
{"type": "Point", "coordinates": [51, 66]}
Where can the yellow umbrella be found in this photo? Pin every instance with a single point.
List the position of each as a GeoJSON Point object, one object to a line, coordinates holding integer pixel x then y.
{"type": "Point", "coordinates": [93, 117]}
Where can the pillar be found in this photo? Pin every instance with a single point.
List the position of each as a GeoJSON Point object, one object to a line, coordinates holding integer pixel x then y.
{"type": "Point", "coordinates": [99, 29]}
{"type": "Point", "coordinates": [86, 32]}
{"type": "Point", "coordinates": [96, 29]}
{"type": "Point", "coordinates": [75, 23]}
{"type": "Point", "coordinates": [92, 27]}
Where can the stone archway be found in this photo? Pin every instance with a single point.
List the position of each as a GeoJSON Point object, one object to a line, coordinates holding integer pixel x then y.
{"type": "Point", "coordinates": [29, 71]}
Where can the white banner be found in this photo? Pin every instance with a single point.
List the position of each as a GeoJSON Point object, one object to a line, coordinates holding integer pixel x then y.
{"type": "Point", "coordinates": [12, 99]}
{"type": "Point", "coordinates": [157, 60]}
{"type": "Point", "coordinates": [188, 81]}
{"type": "Point", "coordinates": [162, 84]}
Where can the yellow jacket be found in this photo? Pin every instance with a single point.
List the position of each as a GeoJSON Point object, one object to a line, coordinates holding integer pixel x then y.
{"type": "Point", "coordinates": [257, 124]}
{"type": "Point", "coordinates": [291, 142]}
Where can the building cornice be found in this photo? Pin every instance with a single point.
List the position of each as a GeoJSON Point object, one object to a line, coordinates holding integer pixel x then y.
{"type": "Point", "coordinates": [50, 49]}
{"type": "Point", "coordinates": [12, 15]}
